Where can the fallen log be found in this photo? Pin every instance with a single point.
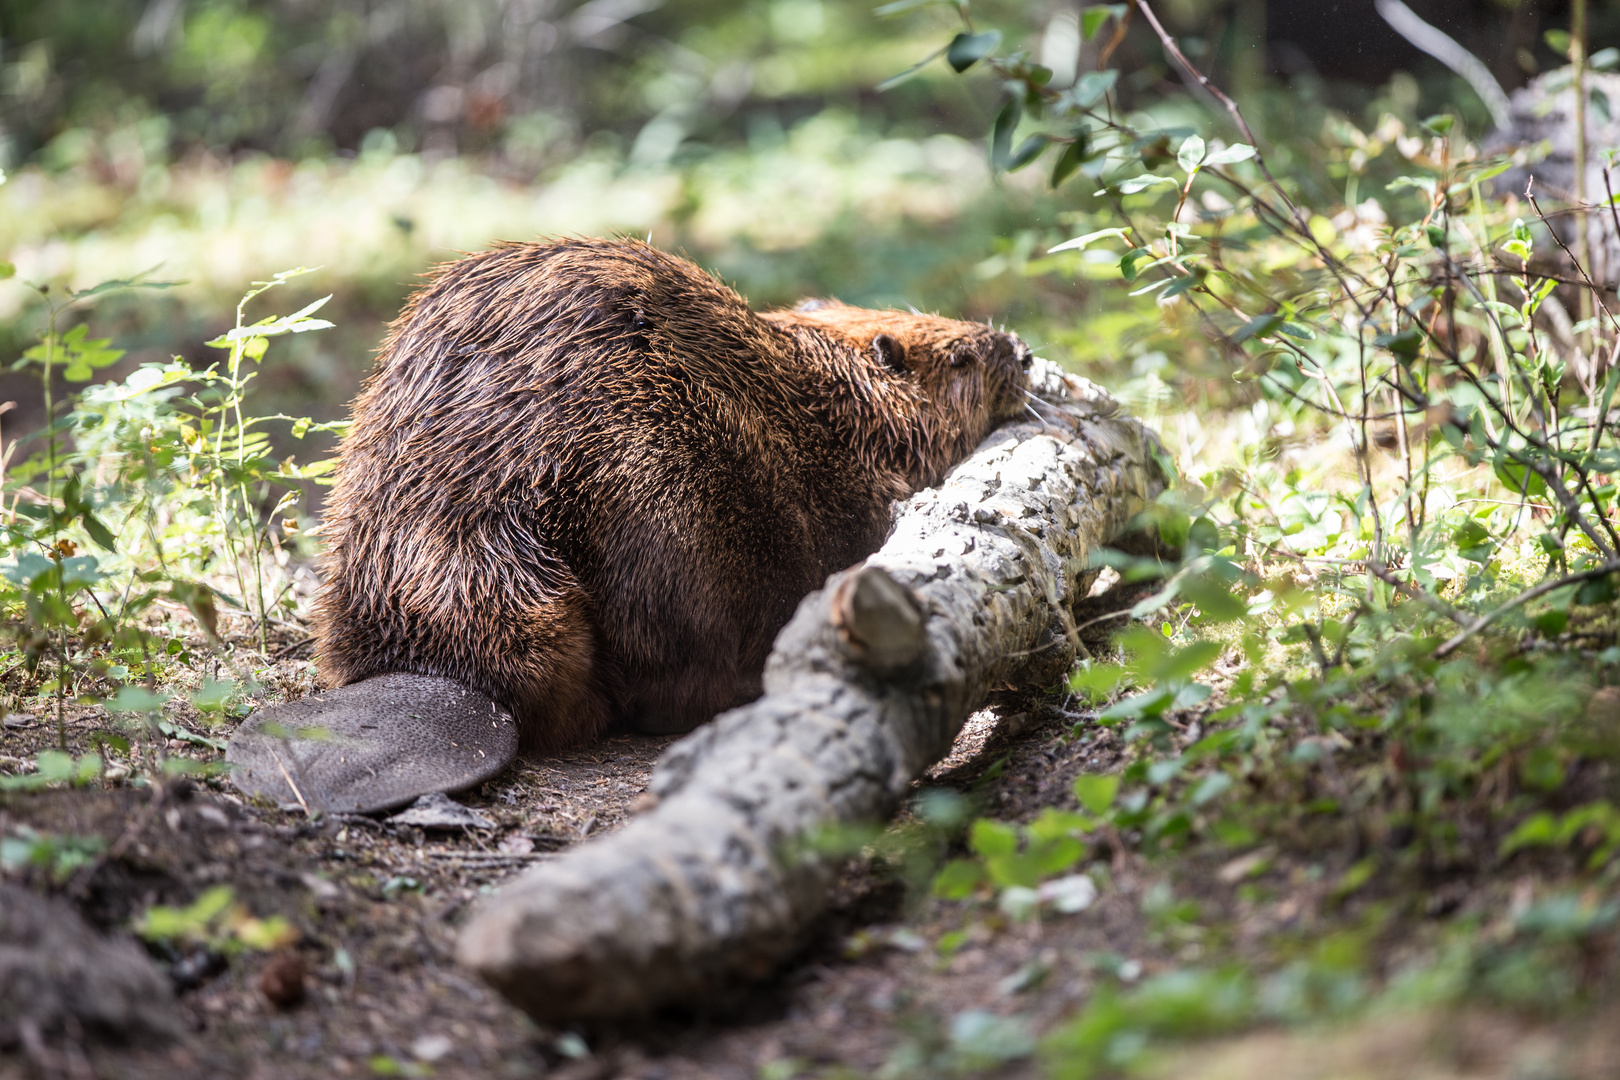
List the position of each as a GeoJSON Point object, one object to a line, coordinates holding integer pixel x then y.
{"type": "Point", "coordinates": [866, 687]}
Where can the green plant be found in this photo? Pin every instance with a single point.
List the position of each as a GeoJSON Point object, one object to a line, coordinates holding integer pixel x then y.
{"type": "Point", "coordinates": [230, 453]}
{"type": "Point", "coordinates": [60, 855]}
{"type": "Point", "coordinates": [1394, 611]}
{"type": "Point", "coordinates": [171, 487]}
{"type": "Point", "coordinates": [217, 921]}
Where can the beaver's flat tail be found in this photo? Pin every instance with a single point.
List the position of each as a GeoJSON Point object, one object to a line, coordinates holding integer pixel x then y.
{"type": "Point", "coordinates": [372, 745]}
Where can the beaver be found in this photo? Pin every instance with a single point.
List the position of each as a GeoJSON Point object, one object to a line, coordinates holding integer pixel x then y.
{"type": "Point", "coordinates": [587, 480]}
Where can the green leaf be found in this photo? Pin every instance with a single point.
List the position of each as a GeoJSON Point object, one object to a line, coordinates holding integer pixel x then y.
{"type": "Point", "coordinates": [1516, 476]}
{"type": "Point", "coordinates": [1406, 345]}
{"type": "Point", "coordinates": [296, 323]}
{"type": "Point", "coordinates": [80, 572]}
{"type": "Point", "coordinates": [1097, 681]}
{"type": "Point", "coordinates": [992, 838]}
{"type": "Point", "coordinates": [1551, 623]}
{"type": "Point", "coordinates": [1191, 154]}
{"type": "Point", "coordinates": [1422, 183]}
{"type": "Point", "coordinates": [1215, 601]}
{"type": "Point", "coordinates": [1054, 824]}
{"type": "Point", "coordinates": [1439, 124]}
{"type": "Point", "coordinates": [7, 270]}
{"type": "Point", "coordinates": [1259, 326]}
{"type": "Point", "coordinates": [54, 766]}
{"type": "Point", "coordinates": [1473, 542]}
{"type": "Point", "coordinates": [965, 50]}
{"type": "Point", "coordinates": [1151, 703]}
{"type": "Point", "coordinates": [1096, 793]}
{"type": "Point", "coordinates": [1128, 261]}
{"type": "Point", "coordinates": [1209, 788]}
{"type": "Point", "coordinates": [1141, 183]}
{"type": "Point", "coordinates": [136, 699]}
{"type": "Point", "coordinates": [1230, 155]}
{"type": "Point", "coordinates": [1028, 151]}
{"type": "Point", "coordinates": [98, 532]}
{"type": "Point", "coordinates": [958, 878]}
{"type": "Point", "coordinates": [1184, 663]}
{"type": "Point", "coordinates": [1013, 869]}
{"type": "Point", "coordinates": [1073, 156]}
{"type": "Point", "coordinates": [1543, 769]}
{"type": "Point", "coordinates": [1092, 19]}
{"type": "Point", "coordinates": [1092, 87]}
{"type": "Point", "coordinates": [1558, 41]}
{"type": "Point", "coordinates": [1055, 856]}
{"type": "Point", "coordinates": [900, 6]}
{"type": "Point", "coordinates": [87, 769]}
{"type": "Point", "coordinates": [1537, 830]}
{"type": "Point", "coordinates": [1600, 591]}
{"type": "Point", "coordinates": [213, 695]}
{"type": "Point", "coordinates": [81, 355]}
{"type": "Point", "coordinates": [1001, 134]}
{"type": "Point", "coordinates": [1185, 283]}
{"type": "Point", "coordinates": [1162, 772]}
{"type": "Point", "coordinates": [136, 282]}
{"type": "Point", "coordinates": [1080, 243]}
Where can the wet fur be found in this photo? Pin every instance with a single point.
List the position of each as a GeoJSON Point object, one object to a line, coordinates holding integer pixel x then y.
{"type": "Point", "coordinates": [586, 479]}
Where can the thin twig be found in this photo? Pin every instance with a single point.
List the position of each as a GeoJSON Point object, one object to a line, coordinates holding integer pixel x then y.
{"type": "Point", "coordinates": [1219, 95]}
{"type": "Point", "coordinates": [1416, 592]}
{"type": "Point", "coordinates": [1595, 292]}
{"type": "Point", "coordinates": [1590, 574]}
{"type": "Point", "coordinates": [299, 795]}
{"type": "Point", "coordinates": [1104, 618]}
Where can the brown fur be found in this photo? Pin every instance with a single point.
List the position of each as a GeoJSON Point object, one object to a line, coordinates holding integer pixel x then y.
{"type": "Point", "coordinates": [587, 480]}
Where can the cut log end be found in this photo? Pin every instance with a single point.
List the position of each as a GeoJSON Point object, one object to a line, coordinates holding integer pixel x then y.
{"type": "Point", "coordinates": [878, 621]}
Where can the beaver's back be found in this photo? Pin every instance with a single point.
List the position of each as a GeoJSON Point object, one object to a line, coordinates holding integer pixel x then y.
{"type": "Point", "coordinates": [588, 449]}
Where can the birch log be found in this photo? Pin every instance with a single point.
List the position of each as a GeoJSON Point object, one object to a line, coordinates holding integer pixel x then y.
{"type": "Point", "coordinates": [865, 688]}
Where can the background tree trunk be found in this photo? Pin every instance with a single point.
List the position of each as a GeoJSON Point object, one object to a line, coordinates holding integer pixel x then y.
{"type": "Point", "coordinates": [866, 687]}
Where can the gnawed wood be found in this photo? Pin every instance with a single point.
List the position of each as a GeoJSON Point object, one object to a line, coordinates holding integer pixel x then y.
{"type": "Point", "coordinates": [866, 687]}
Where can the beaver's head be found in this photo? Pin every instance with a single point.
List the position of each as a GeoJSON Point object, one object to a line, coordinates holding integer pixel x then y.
{"type": "Point", "coordinates": [973, 373]}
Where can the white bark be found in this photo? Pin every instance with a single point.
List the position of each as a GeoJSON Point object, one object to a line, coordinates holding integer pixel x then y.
{"type": "Point", "coordinates": [866, 687]}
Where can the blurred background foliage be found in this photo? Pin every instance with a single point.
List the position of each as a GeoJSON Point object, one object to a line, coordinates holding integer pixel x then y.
{"type": "Point", "coordinates": [222, 140]}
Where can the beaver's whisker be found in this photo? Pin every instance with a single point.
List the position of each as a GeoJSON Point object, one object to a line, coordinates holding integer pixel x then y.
{"type": "Point", "coordinates": [1047, 424]}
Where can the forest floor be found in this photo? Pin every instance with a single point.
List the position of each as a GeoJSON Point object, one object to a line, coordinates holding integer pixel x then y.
{"type": "Point", "coordinates": [376, 906]}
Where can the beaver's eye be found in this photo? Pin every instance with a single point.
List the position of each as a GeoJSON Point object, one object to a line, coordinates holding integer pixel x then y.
{"type": "Point", "coordinates": [962, 358]}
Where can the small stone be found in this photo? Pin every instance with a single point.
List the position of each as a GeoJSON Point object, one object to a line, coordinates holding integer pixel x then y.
{"type": "Point", "coordinates": [282, 980]}
{"type": "Point", "coordinates": [17, 721]}
{"type": "Point", "coordinates": [1070, 894]}
{"type": "Point", "coordinates": [431, 1048]}
{"type": "Point", "coordinates": [440, 811]}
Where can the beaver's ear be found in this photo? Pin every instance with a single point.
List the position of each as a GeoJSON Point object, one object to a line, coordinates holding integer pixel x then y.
{"type": "Point", "coordinates": [890, 353]}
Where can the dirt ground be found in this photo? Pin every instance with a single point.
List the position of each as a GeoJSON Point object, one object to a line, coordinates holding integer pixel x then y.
{"type": "Point", "coordinates": [377, 907]}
